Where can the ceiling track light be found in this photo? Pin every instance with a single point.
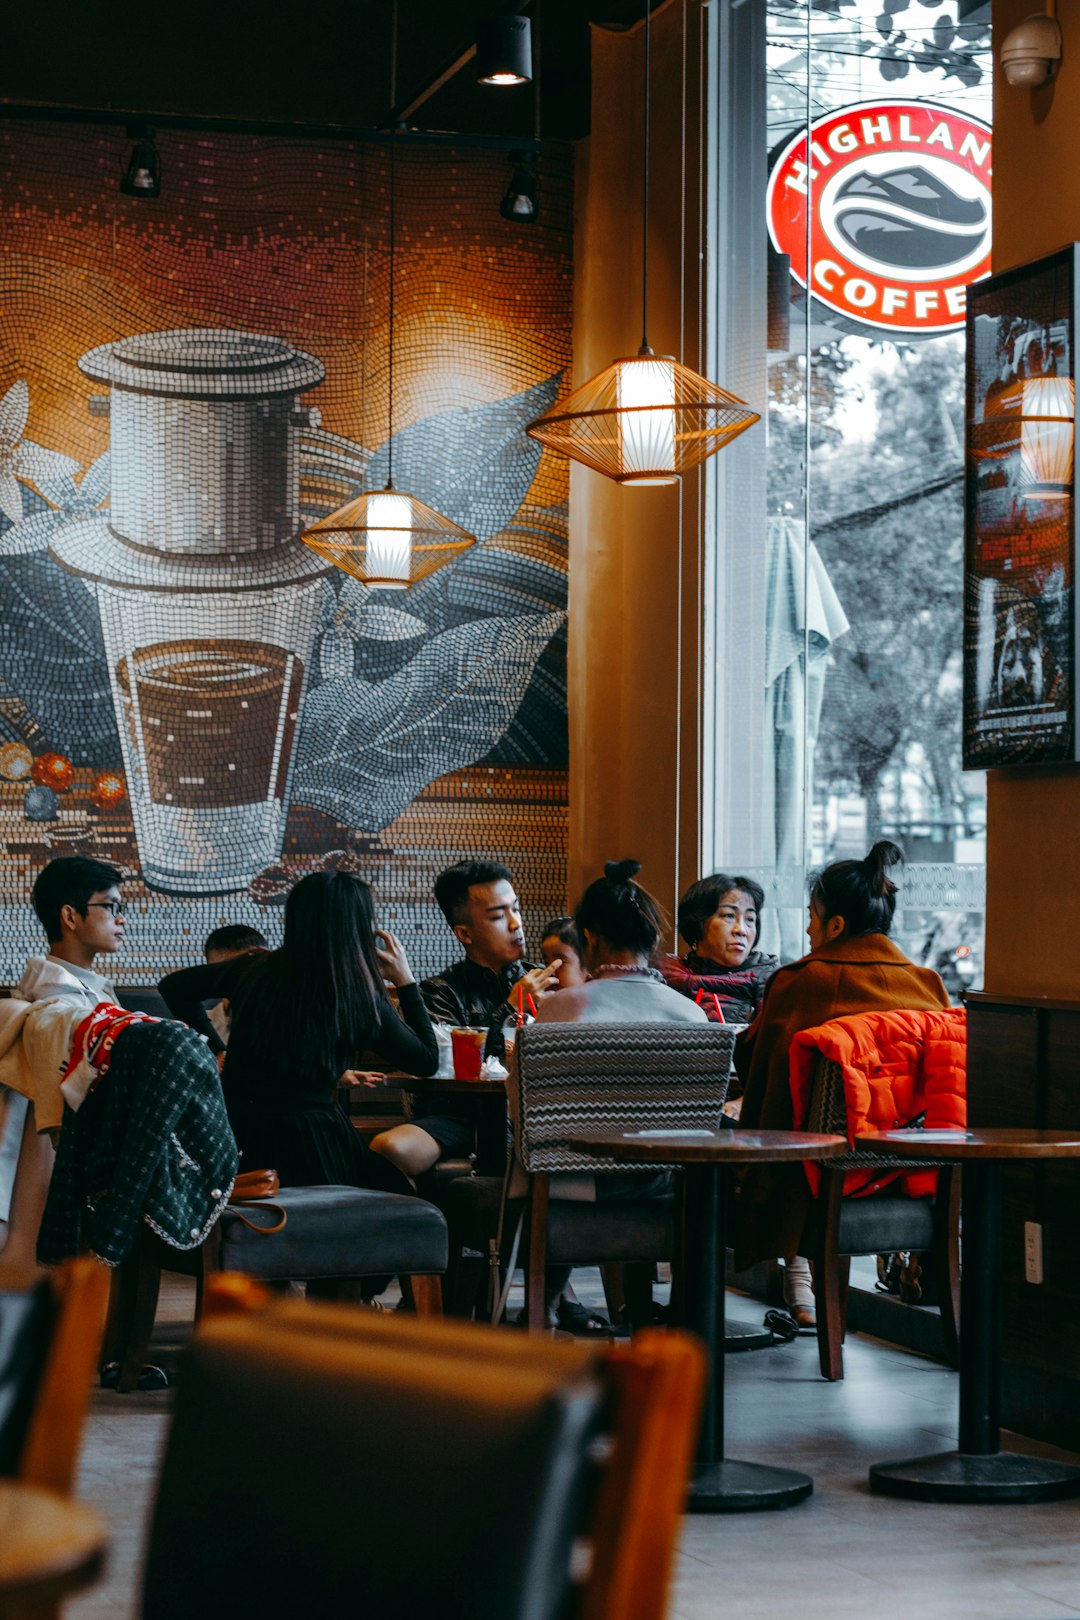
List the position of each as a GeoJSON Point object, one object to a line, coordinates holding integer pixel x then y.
{"type": "Point", "coordinates": [142, 177]}
{"type": "Point", "coordinates": [519, 202]}
{"type": "Point", "coordinates": [504, 50]}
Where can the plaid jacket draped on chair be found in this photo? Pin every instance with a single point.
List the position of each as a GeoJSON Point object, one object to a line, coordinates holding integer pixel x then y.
{"type": "Point", "coordinates": [153, 1143]}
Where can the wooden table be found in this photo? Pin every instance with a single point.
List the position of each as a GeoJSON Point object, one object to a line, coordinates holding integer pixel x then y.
{"type": "Point", "coordinates": [978, 1471]}
{"type": "Point", "coordinates": [491, 1128]}
{"type": "Point", "coordinates": [720, 1484]}
{"type": "Point", "coordinates": [49, 1547]}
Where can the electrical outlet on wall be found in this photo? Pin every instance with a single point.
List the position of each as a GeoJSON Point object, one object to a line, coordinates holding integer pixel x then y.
{"type": "Point", "coordinates": [1033, 1259]}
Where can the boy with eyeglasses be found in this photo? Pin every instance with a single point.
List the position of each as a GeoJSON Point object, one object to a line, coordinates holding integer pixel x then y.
{"type": "Point", "coordinates": [78, 904]}
{"type": "Point", "coordinates": [155, 1143]}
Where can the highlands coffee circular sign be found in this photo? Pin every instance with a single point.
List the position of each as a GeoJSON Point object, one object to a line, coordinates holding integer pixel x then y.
{"type": "Point", "coordinates": [899, 200]}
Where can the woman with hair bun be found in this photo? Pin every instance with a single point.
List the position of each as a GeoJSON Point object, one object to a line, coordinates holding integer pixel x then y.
{"type": "Point", "coordinates": [620, 926]}
{"type": "Point", "coordinates": [852, 967]}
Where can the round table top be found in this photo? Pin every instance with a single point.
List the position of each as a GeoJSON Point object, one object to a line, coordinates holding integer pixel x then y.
{"type": "Point", "coordinates": [988, 1143]}
{"type": "Point", "coordinates": [45, 1539]}
{"type": "Point", "coordinates": [707, 1147]}
{"type": "Point", "coordinates": [448, 1086]}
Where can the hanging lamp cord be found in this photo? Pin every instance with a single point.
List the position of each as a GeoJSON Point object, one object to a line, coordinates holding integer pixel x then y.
{"type": "Point", "coordinates": [393, 235]}
{"type": "Point", "coordinates": [682, 493]}
{"type": "Point", "coordinates": [537, 8]}
{"type": "Point", "coordinates": [645, 349]}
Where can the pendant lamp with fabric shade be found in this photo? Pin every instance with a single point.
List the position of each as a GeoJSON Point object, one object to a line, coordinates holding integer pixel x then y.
{"type": "Point", "coordinates": [645, 418]}
{"type": "Point", "coordinates": [387, 538]}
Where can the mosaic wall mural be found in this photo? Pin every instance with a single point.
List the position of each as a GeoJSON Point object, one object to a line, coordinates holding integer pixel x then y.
{"type": "Point", "coordinates": [185, 688]}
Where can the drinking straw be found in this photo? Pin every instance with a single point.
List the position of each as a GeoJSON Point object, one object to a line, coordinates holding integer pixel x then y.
{"type": "Point", "coordinates": [702, 995]}
{"type": "Point", "coordinates": [521, 1003]}
{"type": "Point", "coordinates": [532, 1006]}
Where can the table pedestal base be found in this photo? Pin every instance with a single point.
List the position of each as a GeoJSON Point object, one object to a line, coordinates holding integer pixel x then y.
{"type": "Point", "coordinates": [741, 1336]}
{"type": "Point", "coordinates": [956, 1476]}
{"type": "Point", "coordinates": [742, 1487]}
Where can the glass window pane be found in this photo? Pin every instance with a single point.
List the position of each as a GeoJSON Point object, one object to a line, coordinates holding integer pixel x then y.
{"type": "Point", "coordinates": [835, 595]}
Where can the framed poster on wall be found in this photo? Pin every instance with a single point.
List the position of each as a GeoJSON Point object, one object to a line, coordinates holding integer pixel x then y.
{"type": "Point", "coordinates": [1020, 517]}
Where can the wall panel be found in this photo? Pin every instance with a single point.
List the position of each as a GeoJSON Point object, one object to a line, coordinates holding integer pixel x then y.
{"type": "Point", "coordinates": [184, 383]}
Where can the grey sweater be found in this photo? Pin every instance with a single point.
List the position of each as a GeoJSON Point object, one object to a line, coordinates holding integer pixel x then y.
{"type": "Point", "coordinates": [633, 998]}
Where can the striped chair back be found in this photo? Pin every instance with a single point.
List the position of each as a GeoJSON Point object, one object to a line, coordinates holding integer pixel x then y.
{"type": "Point", "coordinates": [628, 1077]}
{"type": "Point", "coordinates": [827, 1111]}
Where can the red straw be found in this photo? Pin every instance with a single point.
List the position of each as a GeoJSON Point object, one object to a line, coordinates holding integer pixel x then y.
{"type": "Point", "coordinates": [703, 995]}
{"type": "Point", "coordinates": [521, 1004]}
{"type": "Point", "coordinates": [532, 1006]}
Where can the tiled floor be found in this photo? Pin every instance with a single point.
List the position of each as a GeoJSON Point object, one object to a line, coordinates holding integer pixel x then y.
{"type": "Point", "coordinates": [844, 1553]}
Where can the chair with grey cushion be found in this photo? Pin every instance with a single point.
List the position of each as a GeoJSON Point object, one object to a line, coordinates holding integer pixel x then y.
{"type": "Point", "coordinates": [332, 1235]}
{"type": "Point", "coordinates": [339, 1462]}
{"type": "Point", "coordinates": [143, 999]}
{"type": "Point", "coordinates": [572, 1077]}
{"type": "Point", "coordinates": [880, 1223]}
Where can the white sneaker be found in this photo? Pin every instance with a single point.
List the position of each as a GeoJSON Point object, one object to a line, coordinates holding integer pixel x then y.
{"type": "Point", "coordinates": [799, 1291]}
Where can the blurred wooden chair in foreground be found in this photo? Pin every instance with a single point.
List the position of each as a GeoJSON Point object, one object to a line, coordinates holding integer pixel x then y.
{"type": "Point", "coordinates": [339, 1461]}
{"type": "Point", "coordinates": [50, 1335]}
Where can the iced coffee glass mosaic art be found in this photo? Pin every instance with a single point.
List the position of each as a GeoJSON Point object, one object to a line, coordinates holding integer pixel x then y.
{"type": "Point", "coordinates": [186, 689]}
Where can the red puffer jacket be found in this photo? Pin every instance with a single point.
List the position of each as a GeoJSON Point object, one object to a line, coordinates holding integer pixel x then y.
{"type": "Point", "coordinates": [896, 1066]}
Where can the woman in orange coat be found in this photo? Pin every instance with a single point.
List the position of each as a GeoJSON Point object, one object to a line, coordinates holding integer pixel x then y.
{"type": "Point", "coordinates": [852, 967]}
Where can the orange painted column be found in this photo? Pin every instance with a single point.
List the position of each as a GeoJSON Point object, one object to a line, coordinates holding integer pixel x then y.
{"type": "Point", "coordinates": [634, 637]}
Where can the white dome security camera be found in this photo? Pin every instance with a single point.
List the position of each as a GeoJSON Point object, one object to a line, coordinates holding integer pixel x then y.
{"type": "Point", "coordinates": [1032, 51]}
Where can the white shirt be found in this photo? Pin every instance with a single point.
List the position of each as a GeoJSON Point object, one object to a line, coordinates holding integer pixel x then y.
{"type": "Point", "coordinates": [47, 976]}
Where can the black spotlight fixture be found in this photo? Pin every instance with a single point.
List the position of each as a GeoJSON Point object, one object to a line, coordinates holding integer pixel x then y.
{"type": "Point", "coordinates": [519, 199]}
{"type": "Point", "coordinates": [504, 50]}
{"type": "Point", "coordinates": [142, 177]}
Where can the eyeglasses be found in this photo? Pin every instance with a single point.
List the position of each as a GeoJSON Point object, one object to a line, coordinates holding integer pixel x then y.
{"type": "Point", "coordinates": [115, 907]}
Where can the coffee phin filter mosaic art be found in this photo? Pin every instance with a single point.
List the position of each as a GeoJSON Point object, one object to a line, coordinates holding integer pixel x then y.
{"type": "Point", "coordinates": [186, 689]}
{"type": "Point", "coordinates": [198, 551]}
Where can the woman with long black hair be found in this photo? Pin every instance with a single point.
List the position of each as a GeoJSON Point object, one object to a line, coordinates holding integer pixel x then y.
{"type": "Point", "coordinates": [302, 1016]}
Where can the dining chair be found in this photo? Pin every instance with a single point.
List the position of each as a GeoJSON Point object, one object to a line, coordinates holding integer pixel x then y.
{"type": "Point", "coordinates": [840, 1226]}
{"type": "Point", "coordinates": [568, 1077]}
{"type": "Point", "coordinates": [324, 1459]}
{"type": "Point", "coordinates": [50, 1333]}
{"type": "Point", "coordinates": [331, 1235]}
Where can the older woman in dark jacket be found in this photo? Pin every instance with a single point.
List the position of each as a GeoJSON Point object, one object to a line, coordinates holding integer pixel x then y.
{"type": "Point", "coordinates": [720, 918]}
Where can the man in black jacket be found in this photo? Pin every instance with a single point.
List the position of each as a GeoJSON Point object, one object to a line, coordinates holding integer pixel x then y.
{"type": "Point", "coordinates": [480, 990]}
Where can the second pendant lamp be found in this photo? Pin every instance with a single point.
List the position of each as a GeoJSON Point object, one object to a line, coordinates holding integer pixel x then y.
{"type": "Point", "coordinates": [645, 418]}
{"type": "Point", "coordinates": [386, 538]}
